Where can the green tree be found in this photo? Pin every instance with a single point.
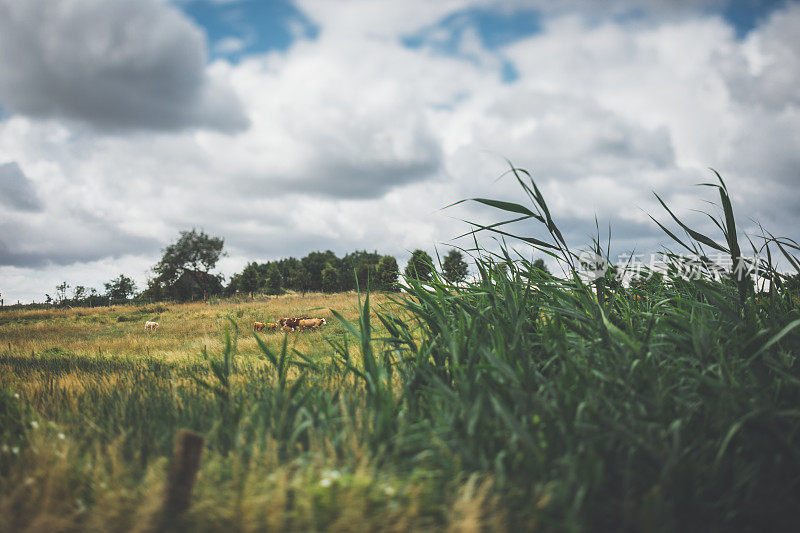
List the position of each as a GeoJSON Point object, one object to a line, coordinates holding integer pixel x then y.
{"type": "Point", "coordinates": [300, 279]}
{"type": "Point", "coordinates": [94, 297]}
{"type": "Point", "coordinates": [420, 266]}
{"type": "Point", "coordinates": [388, 273]}
{"type": "Point", "coordinates": [274, 279]}
{"type": "Point", "coordinates": [792, 282]}
{"type": "Point", "coordinates": [120, 289]}
{"type": "Point", "coordinates": [61, 292]}
{"type": "Point", "coordinates": [192, 256]}
{"type": "Point", "coordinates": [314, 263]}
{"type": "Point", "coordinates": [250, 280]}
{"type": "Point", "coordinates": [330, 278]}
{"type": "Point", "coordinates": [350, 263]}
{"type": "Point", "coordinates": [539, 263]}
{"type": "Point", "coordinates": [365, 275]}
{"type": "Point", "coordinates": [79, 294]}
{"type": "Point", "coordinates": [454, 268]}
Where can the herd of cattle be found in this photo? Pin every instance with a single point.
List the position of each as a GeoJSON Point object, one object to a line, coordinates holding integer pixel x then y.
{"type": "Point", "coordinates": [290, 324]}
{"type": "Point", "coordinates": [284, 324]}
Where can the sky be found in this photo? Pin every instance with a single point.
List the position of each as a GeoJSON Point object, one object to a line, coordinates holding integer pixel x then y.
{"type": "Point", "coordinates": [292, 126]}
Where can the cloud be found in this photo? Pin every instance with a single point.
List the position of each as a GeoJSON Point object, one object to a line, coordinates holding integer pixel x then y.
{"type": "Point", "coordinates": [16, 190]}
{"type": "Point", "coordinates": [356, 140]}
{"type": "Point", "coordinates": [31, 284]}
{"type": "Point", "coordinates": [340, 120]}
{"type": "Point", "coordinates": [39, 240]}
{"type": "Point", "coordinates": [230, 45]}
{"type": "Point", "coordinates": [128, 64]}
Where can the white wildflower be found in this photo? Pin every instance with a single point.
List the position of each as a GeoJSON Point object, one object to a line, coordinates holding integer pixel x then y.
{"type": "Point", "coordinates": [34, 424]}
{"type": "Point", "coordinates": [62, 436]}
{"type": "Point", "coordinates": [328, 477]}
{"type": "Point", "coordinates": [15, 450]}
{"type": "Point", "coordinates": [388, 490]}
{"type": "Point", "coordinates": [16, 395]}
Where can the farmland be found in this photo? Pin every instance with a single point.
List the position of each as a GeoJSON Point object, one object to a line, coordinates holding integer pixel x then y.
{"type": "Point", "coordinates": [517, 401]}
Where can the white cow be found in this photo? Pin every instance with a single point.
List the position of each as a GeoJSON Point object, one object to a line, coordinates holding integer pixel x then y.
{"type": "Point", "coordinates": [150, 326]}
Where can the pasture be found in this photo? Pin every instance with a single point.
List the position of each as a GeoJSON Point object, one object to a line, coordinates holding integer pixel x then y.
{"type": "Point", "coordinates": [517, 401]}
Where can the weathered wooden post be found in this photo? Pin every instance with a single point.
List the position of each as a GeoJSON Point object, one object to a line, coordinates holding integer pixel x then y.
{"type": "Point", "coordinates": [181, 476]}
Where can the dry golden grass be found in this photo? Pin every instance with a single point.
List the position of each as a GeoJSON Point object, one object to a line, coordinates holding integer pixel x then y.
{"type": "Point", "coordinates": [102, 351]}
{"type": "Point", "coordinates": [184, 329]}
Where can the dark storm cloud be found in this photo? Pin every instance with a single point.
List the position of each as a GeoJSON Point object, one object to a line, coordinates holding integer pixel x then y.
{"type": "Point", "coordinates": [371, 179]}
{"type": "Point", "coordinates": [16, 190]}
{"type": "Point", "coordinates": [39, 240]}
{"type": "Point", "coordinates": [127, 64]}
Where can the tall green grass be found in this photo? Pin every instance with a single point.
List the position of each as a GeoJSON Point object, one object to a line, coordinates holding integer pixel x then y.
{"type": "Point", "coordinates": [519, 400]}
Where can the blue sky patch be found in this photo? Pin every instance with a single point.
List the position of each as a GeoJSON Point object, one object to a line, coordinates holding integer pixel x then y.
{"type": "Point", "coordinates": [495, 29]}
{"type": "Point", "coordinates": [243, 27]}
{"type": "Point", "coordinates": [744, 15]}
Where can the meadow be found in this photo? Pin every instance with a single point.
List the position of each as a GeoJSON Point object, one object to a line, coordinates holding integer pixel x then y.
{"type": "Point", "coordinates": [517, 401]}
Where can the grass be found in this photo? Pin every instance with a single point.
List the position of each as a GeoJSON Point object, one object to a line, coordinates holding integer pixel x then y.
{"type": "Point", "coordinates": [518, 401]}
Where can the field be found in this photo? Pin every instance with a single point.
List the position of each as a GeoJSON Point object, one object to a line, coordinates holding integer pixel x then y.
{"type": "Point", "coordinates": [518, 401]}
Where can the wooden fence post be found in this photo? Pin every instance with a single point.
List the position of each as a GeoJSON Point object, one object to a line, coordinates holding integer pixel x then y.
{"type": "Point", "coordinates": [181, 475]}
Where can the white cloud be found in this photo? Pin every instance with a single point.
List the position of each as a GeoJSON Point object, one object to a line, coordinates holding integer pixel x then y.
{"type": "Point", "coordinates": [357, 141]}
{"type": "Point", "coordinates": [16, 191]}
{"type": "Point", "coordinates": [128, 64]}
{"type": "Point", "coordinates": [230, 45]}
{"type": "Point", "coordinates": [32, 284]}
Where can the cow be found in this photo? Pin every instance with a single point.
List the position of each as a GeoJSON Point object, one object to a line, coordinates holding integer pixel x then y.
{"type": "Point", "coordinates": [151, 326]}
{"type": "Point", "coordinates": [291, 322]}
{"type": "Point", "coordinates": [271, 326]}
{"type": "Point", "coordinates": [311, 323]}
{"type": "Point", "coordinates": [287, 328]}
{"type": "Point", "coordinates": [259, 326]}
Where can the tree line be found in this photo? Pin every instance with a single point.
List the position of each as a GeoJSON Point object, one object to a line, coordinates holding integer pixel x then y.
{"type": "Point", "coordinates": [186, 272]}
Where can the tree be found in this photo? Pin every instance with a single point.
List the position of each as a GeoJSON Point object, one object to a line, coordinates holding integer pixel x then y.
{"type": "Point", "coordinates": [250, 280]}
{"type": "Point", "coordinates": [330, 278]}
{"type": "Point", "coordinates": [286, 266]}
{"type": "Point", "coordinates": [300, 279]}
{"type": "Point", "coordinates": [350, 263]}
{"type": "Point", "coordinates": [365, 275]}
{"type": "Point", "coordinates": [155, 289]}
{"type": "Point", "coordinates": [792, 282]}
{"type": "Point", "coordinates": [539, 263]}
{"type": "Point", "coordinates": [94, 297]}
{"type": "Point", "coordinates": [314, 263]}
{"type": "Point", "coordinates": [61, 292]}
{"type": "Point", "coordinates": [80, 293]}
{"type": "Point", "coordinates": [388, 273]}
{"type": "Point", "coordinates": [454, 268]}
{"type": "Point", "coordinates": [194, 255]}
{"type": "Point", "coordinates": [274, 279]}
{"type": "Point", "coordinates": [420, 266]}
{"type": "Point", "coordinates": [120, 289]}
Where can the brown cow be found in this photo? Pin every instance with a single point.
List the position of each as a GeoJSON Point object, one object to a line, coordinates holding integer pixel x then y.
{"type": "Point", "coordinates": [272, 326]}
{"type": "Point", "coordinates": [291, 322]}
{"type": "Point", "coordinates": [259, 326]}
{"type": "Point", "coordinates": [311, 323]}
{"type": "Point", "coordinates": [287, 328]}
